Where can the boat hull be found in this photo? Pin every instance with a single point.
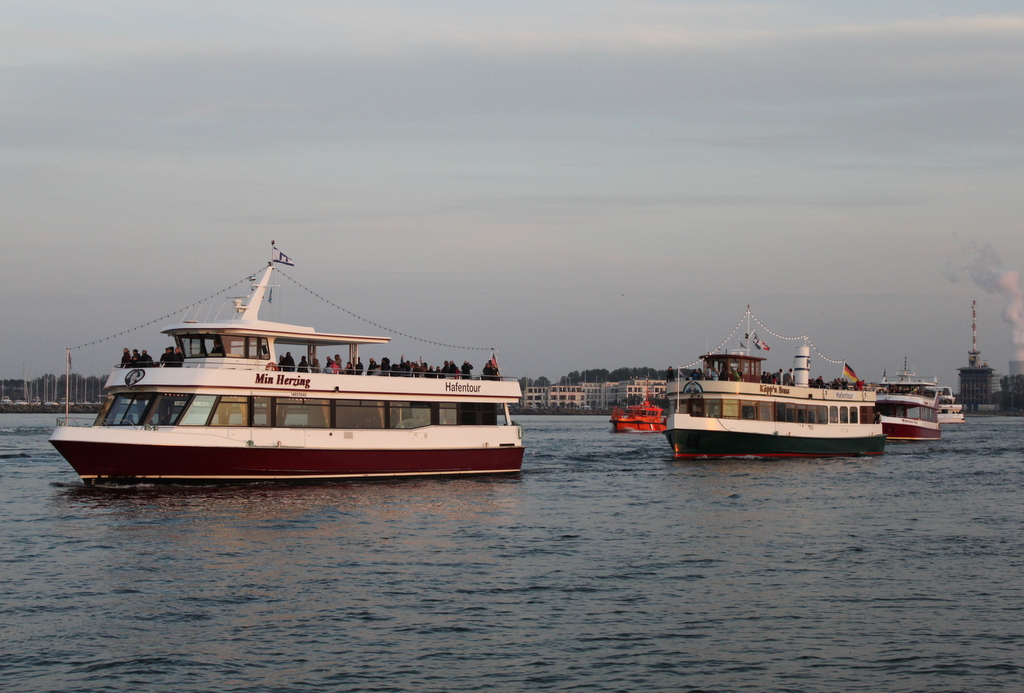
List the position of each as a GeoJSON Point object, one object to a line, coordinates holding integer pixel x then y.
{"type": "Point", "coordinates": [693, 444]}
{"type": "Point", "coordinates": [134, 463]}
{"type": "Point", "coordinates": [637, 426]}
{"type": "Point", "coordinates": [911, 430]}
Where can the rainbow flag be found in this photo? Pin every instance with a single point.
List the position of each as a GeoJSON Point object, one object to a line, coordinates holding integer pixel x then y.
{"type": "Point", "coordinates": [849, 374]}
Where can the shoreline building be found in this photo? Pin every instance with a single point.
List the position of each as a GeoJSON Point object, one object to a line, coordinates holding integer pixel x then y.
{"type": "Point", "coordinates": [592, 395]}
{"type": "Point", "coordinates": [976, 377]}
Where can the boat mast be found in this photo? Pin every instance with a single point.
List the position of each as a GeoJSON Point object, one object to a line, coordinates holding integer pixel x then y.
{"type": "Point", "coordinates": [67, 385]}
{"type": "Point", "coordinates": [746, 344]}
{"type": "Point", "coordinates": [256, 298]}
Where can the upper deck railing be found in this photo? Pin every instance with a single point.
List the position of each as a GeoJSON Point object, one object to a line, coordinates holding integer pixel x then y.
{"type": "Point", "coordinates": [231, 364]}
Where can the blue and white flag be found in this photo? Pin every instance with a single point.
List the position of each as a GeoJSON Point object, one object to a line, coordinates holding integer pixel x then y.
{"type": "Point", "coordinates": [282, 258]}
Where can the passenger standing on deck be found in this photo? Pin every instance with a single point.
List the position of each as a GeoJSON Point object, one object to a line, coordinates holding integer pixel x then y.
{"type": "Point", "coordinates": [467, 369]}
{"type": "Point", "coordinates": [287, 363]}
{"type": "Point", "coordinates": [359, 365]}
{"type": "Point", "coordinates": [126, 358]}
{"type": "Point", "coordinates": [303, 366]}
{"type": "Point", "coordinates": [167, 358]}
{"type": "Point", "coordinates": [670, 374]}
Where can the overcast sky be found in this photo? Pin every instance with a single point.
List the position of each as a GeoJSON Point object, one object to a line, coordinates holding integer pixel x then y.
{"type": "Point", "coordinates": [583, 184]}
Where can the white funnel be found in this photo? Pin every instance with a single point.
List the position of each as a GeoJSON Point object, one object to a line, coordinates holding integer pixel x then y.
{"type": "Point", "coordinates": [802, 367]}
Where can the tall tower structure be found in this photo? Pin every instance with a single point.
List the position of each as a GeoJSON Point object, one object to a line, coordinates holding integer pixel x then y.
{"type": "Point", "coordinates": [976, 378]}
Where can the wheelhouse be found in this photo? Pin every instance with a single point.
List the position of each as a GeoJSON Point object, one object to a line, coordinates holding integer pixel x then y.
{"type": "Point", "coordinates": [736, 367]}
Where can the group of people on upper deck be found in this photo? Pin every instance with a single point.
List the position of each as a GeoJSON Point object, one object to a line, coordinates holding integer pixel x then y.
{"type": "Point", "coordinates": [171, 358]}
{"type": "Point", "coordinates": [401, 368]}
{"type": "Point", "coordinates": [784, 378]}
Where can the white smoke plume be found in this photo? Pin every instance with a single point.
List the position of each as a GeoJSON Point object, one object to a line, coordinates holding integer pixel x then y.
{"type": "Point", "coordinates": [986, 271]}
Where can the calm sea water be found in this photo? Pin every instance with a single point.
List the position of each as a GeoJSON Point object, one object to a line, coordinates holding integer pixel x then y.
{"type": "Point", "coordinates": [605, 566]}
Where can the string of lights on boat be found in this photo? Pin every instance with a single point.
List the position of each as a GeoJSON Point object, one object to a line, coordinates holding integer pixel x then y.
{"type": "Point", "coordinates": [249, 279]}
{"type": "Point", "coordinates": [760, 324]}
{"type": "Point", "coordinates": [246, 279]}
{"type": "Point", "coordinates": [382, 327]}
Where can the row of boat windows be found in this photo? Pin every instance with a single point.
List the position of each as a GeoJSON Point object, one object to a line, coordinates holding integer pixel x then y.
{"type": "Point", "coordinates": [778, 411]}
{"type": "Point", "coordinates": [902, 411]}
{"type": "Point", "coordinates": [176, 409]}
{"type": "Point", "coordinates": [199, 346]}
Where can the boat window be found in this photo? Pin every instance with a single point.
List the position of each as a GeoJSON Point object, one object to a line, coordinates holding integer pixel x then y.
{"type": "Point", "coordinates": [126, 410]}
{"type": "Point", "coordinates": [471, 414]}
{"type": "Point", "coordinates": [198, 413]}
{"type": "Point", "coordinates": [695, 407]}
{"type": "Point", "coordinates": [748, 410]}
{"type": "Point", "coordinates": [866, 415]}
{"type": "Point", "coordinates": [812, 415]}
{"type": "Point", "coordinates": [234, 346]}
{"type": "Point", "coordinates": [167, 409]}
{"type": "Point", "coordinates": [913, 412]}
{"type": "Point", "coordinates": [801, 413]}
{"type": "Point", "coordinates": [295, 412]}
{"type": "Point", "coordinates": [358, 414]}
{"type": "Point", "coordinates": [231, 411]}
{"type": "Point", "coordinates": [196, 346]}
{"type": "Point", "coordinates": [730, 409]}
{"type": "Point", "coordinates": [833, 414]}
{"type": "Point", "coordinates": [853, 415]}
{"type": "Point", "coordinates": [409, 414]}
{"type": "Point", "coordinates": [256, 348]}
{"type": "Point", "coordinates": [822, 414]}
{"type": "Point", "coordinates": [447, 414]}
{"type": "Point", "coordinates": [104, 410]}
{"type": "Point", "coordinates": [780, 411]}
{"type": "Point", "coordinates": [791, 413]}
{"type": "Point", "coordinates": [765, 411]}
{"type": "Point", "coordinates": [843, 416]}
{"type": "Point", "coordinates": [261, 410]}
{"type": "Point", "coordinates": [713, 408]}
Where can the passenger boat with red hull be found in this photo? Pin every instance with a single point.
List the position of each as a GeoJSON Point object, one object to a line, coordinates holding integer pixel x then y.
{"type": "Point", "coordinates": [644, 418]}
{"type": "Point", "coordinates": [730, 408]}
{"type": "Point", "coordinates": [909, 407]}
{"type": "Point", "coordinates": [228, 414]}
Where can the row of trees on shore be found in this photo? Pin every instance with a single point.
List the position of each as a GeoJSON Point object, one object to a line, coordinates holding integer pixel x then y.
{"type": "Point", "coordinates": [1011, 393]}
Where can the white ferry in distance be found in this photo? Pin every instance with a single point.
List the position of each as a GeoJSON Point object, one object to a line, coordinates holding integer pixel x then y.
{"type": "Point", "coordinates": [950, 411]}
{"type": "Point", "coordinates": [228, 414]}
{"type": "Point", "coordinates": [732, 409]}
{"type": "Point", "coordinates": [909, 407]}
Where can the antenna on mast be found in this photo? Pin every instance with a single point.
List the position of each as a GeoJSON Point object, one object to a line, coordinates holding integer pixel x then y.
{"type": "Point", "coordinates": [974, 325]}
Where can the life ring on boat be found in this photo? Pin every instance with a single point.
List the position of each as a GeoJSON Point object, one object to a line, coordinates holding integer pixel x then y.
{"type": "Point", "coordinates": [271, 366]}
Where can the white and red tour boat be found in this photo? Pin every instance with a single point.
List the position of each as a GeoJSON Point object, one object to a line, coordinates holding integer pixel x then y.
{"type": "Point", "coordinates": [228, 414]}
{"type": "Point", "coordinates": [909, 407]}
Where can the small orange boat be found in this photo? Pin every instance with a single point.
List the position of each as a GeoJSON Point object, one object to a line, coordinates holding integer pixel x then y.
{"type": "Point", "coordinates": [644, 417]}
